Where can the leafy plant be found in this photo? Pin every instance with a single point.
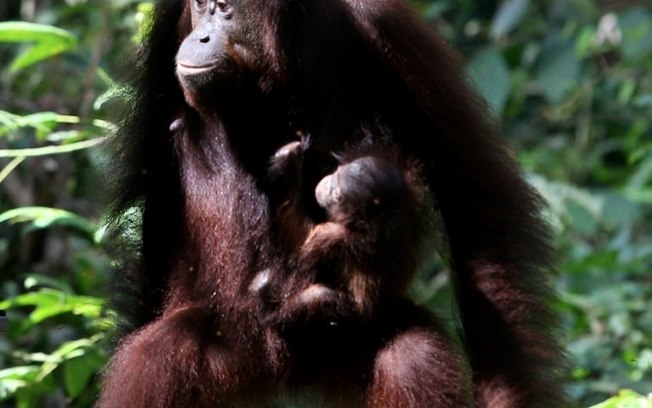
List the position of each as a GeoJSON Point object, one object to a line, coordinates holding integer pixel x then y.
{"type": "Point", "coordinates": [56, 341]}
{"type": "Point", "coordinates": [48, 41]}
{"type": "Point", "coordinates": [626, 399]}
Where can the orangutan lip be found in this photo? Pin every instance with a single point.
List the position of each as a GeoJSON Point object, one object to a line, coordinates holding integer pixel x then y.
{"type": "Point", "coordinates": [186, 69]}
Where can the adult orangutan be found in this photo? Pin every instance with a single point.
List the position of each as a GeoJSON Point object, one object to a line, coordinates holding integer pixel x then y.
{"type": "Point", "coordinates": [288, 157]}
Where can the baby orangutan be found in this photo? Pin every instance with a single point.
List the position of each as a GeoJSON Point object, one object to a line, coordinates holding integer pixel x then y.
{"type": "Point", "coordinates": [367, 250]}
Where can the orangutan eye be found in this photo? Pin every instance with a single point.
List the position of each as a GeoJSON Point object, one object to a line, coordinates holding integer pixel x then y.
{"type": "Point", "coordinates": [225, 7]}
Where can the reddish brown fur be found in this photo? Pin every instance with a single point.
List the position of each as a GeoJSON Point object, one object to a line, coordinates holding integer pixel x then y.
{"type": "Point", "coordinates": [409, 372]}
{"type": "Point", "coordinates": [371, 254]}
{"type": "Point", "coordinates": [341, 71]}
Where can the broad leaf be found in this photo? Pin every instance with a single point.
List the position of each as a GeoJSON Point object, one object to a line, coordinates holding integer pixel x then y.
{"type": "Point", "coordinates": [48, 41]}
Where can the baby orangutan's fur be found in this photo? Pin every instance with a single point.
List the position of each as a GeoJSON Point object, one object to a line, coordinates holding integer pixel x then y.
{"type": "Point", "coordinates": [342, 267]}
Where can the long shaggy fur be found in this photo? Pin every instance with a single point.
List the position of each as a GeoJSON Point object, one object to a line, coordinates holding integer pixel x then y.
{"type": "Point", "coordinates": [338, 70]}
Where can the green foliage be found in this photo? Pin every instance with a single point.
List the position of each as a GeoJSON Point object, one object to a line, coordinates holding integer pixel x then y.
{"type": "Point", "coordinates": [49, 41]}
{"type": "Point", "coordinates": [54, 319]}
{"type": "Point", "coordinates": [626, 399]}
{"type": "Point", "coordinates": [54, 268]}
{"type": "Point", "coordinates": [41, 217]}
{"type": "Point", "coordinates": [570, 81]}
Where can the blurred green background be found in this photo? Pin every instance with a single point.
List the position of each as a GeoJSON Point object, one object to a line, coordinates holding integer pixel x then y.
{"type": "Point", "coordinates": [569, 80]}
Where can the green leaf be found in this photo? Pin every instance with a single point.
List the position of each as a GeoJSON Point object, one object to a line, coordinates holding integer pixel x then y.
{"type": "Point", "coordinates": [35, 280]}
{"type": "Point", "coordinates": [67, 352]}
{"type": "Point", "coordinates": [626, 399]}
{"type": "Point", "coordinates": [618, 211]}
{"type": "Point", "coordinates": [582, 220]}
{"type": "Point", "coordinates": [14, 378]}
{"type": "Point", "coordinates": [43, 122]}
{"type": "Point", "coordinates": [31, 395]}
{"type": "Point", "coordinates": [509, 14]}
{"type": "Point", "coordinates": [79, 371]}
{"type": "Point", "coordinates": [45, 312]}
{"type": "Point", "coordinates": [433, 10]}
{"type": "Point", "coordinates": [585, 42]}
{"type": "Point", "coordinates": [50, 303]}
{"type": "Point", "coordinates": [636, 26]}
{"type": "Point", "coordinates": [65, 136]}
{"type": "Point", "coordinates": [45, 217]}
{"type": "Point", "coordinates": [9, 386]}
{"type": "Point", "coordinates": [49, 41]}
{"type": "Point", "coordinates": [490, 74]}
{"type": "Point", "coordinates": [48, 150]}
{"type": "Point", "coordinates": [642, 175]}
{"type": "Point", "coordinates": [559, 70]}
{"type": "Point", "coordinates": [44, 297]}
